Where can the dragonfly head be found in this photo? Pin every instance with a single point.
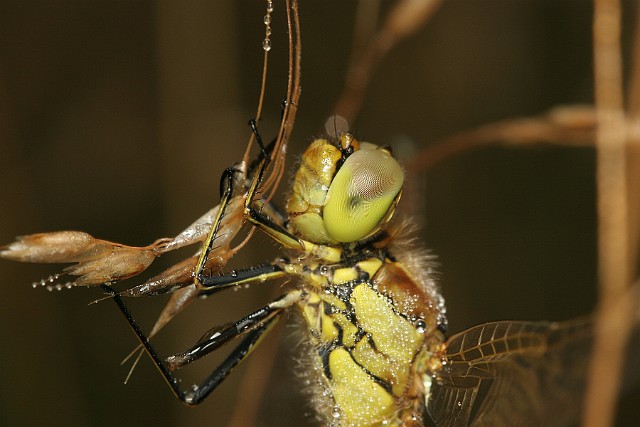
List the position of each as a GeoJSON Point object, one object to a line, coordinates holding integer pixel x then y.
{"type": "Point", "coordinates": [344, 191]}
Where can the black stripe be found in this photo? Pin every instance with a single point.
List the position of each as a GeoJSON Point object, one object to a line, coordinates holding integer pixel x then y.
{"type": "Point", "coordinates": [382, 383]}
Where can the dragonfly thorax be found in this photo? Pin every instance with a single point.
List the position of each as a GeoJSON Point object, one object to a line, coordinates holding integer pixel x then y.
{"type": "Point", "coordinates": [343, 192]}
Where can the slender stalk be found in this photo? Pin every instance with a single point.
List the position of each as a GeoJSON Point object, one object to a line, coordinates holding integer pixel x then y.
{"type": "Point", "coordinates": [613, 321]}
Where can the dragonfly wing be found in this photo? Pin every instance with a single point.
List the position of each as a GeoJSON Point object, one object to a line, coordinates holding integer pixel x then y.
{"type": "Point", "coordinates": [513, 374]}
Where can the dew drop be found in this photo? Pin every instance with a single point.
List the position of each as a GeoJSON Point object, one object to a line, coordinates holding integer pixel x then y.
{"type": "Point", "coordinates": [266, 43]}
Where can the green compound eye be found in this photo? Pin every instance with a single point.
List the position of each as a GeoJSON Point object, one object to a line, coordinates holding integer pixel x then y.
{"type": "Point", "coordinates": [362, 194]}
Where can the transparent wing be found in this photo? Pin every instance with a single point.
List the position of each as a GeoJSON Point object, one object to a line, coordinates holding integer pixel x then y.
{"type": "Point", "coordinates": [513, 374]}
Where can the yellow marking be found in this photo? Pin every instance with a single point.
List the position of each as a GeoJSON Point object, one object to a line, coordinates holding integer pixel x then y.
{"type": "Point", "coordinates": [370, 266]}
{"type": "Point", "coordinates": [347, 140]}
{"type": "Point", "coordinates": [362, 401]}
{"type": "Point", "coordinates": [310, 187]}
{"type": "Point", "coordinates": [349, 330]}
{"type": "Point", "coordinates": [311, 226]}
{"type": "Point", "coordinates": [393, 335]}
{"type": "Point", "coordinates": [319, 280]}
{"type": "Point", "coordinates": [311, 314]}
{"type": "Point", "coordinates": [327, 326]}
{"type": "Point", "coordinates": [329, 330]}
{"type": "Point", "coordinates": [293, 269]}
{"type": "Point", "coordinates": [344, 275]}
{"type": "Point", "coordinates": [334, 300]}
{"type": "Point", "coordinates": [289, 299]}
{"type": "Point", "coordinates": [375, 362]}
{"type": "Point", "coordinates": [381, 366]}
{"type": "Point", "coordinates": [325, 253]}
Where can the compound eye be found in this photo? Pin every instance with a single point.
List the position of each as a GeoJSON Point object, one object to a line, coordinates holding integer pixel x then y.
{"type": "Point", "coordinates": [362, 194]}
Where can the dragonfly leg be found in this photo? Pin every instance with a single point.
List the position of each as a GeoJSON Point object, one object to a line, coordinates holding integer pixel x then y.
{"type": "Point", "coordinates": [251, 329]}
{"type": "Point", "coordinates": [219, 336]}
{"type": "Point", "coordinates": [227, 183]}
{"type": "Point", "coordinates": [212, 284]}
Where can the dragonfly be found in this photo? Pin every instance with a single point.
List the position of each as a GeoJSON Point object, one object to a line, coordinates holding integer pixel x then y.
{"type": "Point", "coordinates": [378, 347]}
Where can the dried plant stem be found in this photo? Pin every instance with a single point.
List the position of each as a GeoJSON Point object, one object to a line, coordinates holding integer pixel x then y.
{"type": "Point", "coordinates": [404, 19]}
{"type": "Point", "coordinates": [571, 125]}
{"type": "Point", "coordinates": [613, 325]}
{"type": "Point", "coordinates": [253, 385]}
{"type": "Point", "coordinates": [633, 149]}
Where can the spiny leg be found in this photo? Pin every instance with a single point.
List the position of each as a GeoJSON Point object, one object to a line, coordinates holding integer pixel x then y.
{"type": "Point", "coordinates": [226, 190]}
{"type": "Point", "coordinates": [166, 374]}
{"type": "Point", "coordinates": [254, 215]}
{"type": "Point", "coordinates": [227, 182]}
{"type": "Point", "coordinates": [264, 151]}
{"type": "Point", "coordinates": [252, 329]}
{"type": "Point", "coordinates": [197, 394]}
{"type": "Point", "coordinates": [212, 284]}
{"type": "Point", "coordinates": [219, 336]}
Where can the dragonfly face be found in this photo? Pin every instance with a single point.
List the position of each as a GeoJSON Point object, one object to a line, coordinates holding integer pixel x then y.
{"type": "Point", "coordinates": [328, 206]}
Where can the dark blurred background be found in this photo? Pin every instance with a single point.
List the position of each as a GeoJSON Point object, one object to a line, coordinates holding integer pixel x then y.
{"type": "Point", "coordinates": [117, 118]}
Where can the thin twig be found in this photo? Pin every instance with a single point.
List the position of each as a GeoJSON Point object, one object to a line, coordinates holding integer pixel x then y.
{"type": "Point", "coordinates": [572, 125]}
{"type": "Point", "coordinates": [613, 323]}
{"type": "Point", "coordinates": [633, 149]}
{"type": "Point", "coordinates": [252, 386]}
{"type": "Point", "coordinates": [404, 19]}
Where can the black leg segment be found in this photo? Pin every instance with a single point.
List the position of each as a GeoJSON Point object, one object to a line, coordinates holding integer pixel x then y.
{"type": "Point", "coordinates": [251, 328]}
{"type": "Point", "coordinates": [261, 273]}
